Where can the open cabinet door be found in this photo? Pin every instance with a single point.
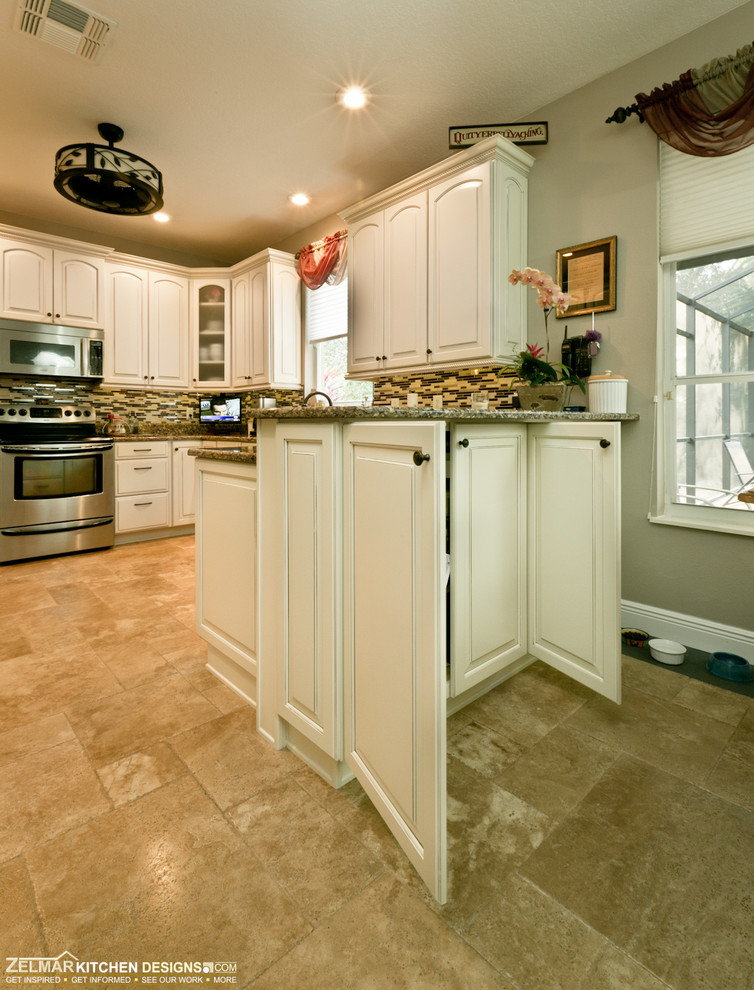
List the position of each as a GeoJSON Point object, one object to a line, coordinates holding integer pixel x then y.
{"type": "Point", "coordinates": [394, 649]}
{"type": "Point", "coordinates": [574, 551]}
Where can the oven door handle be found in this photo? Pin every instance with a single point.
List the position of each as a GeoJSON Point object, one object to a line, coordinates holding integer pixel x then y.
{"type": "Point", "coordinates": [52, 453]}
{"type": "Point", "coordinates": [62, 527]}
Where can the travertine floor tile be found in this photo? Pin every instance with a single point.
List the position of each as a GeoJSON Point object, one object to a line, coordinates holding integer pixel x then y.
{"type": "Point", "coordinates": [163, 878]}
{"type": "Point", "coordinates": [230, 758]}
{"type": "Point", "coordinates": [733, 780]}
{"type": "Point", "coordinates": [132, 720]}
{"type": "Point", "coordinates": [540, 944]}
{"type": "Point", "coordinates": [558, 771]}
{"type": "Point", "coordinates": [219, 694]}
{"type": "Point", "coordinates": [741, 745]}
{"type": "Point", "coordinates": [384, 938]}
{"type": "Point", "coordinates": [486, 752]}
{"type": "Point", "coordinates": [316, 860]}
{"type": "Point", "coordinates": [44, 794]}
{"type": "Point", "coordinates": [614, 970]}
{"type": "Point", "coordinates": [138, 774]}
{"type": "Point", "coordinates": [22, 934]}
{"type": "Point", "coordinates": [656, 680]}
{"type": "Point", "coordinates": [676, 739]}
{"type": "Point", "coordinates": [713, 702]}
{"type": "Point", "coordinates": [661, 868]}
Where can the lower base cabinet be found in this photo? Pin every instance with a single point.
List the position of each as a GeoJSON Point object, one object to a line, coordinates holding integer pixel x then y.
{"type": "Point", "coordinates": [226, 570]}
{"type": "Point", "coordinates": [409, 568]}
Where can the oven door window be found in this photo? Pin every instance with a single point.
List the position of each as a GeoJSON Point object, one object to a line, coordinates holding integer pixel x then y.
{"type": "Point", "coordinates": [57, 476]}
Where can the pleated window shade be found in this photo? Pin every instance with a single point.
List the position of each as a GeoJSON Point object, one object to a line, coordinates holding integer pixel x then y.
{"type": "Point", "coordinates": [327, 312]}
{"type": "Point", "coordinates": [706, 204]}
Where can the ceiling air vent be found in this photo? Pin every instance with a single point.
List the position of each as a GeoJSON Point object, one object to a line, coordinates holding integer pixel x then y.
{"type": "Point", "coordinates": [66, 25]}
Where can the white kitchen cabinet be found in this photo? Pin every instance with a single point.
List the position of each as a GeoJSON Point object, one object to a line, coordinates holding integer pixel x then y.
{"type": "Point", "coordinates": [488, 550]}
{"type": "Point", "coordinates": [394, 623]}
{"type": "Point", "coordinates": [146, 328]}
{"type": "Point", "coordinates": [530, 515]}
{"type": "Point", "coordinates": [266, 322]}
{"type": "Point", "coordinates": [142, 485]}
{"type": "Point", "coordinates": [183, 486]}
{"type": "Point", "coordinates": [51, 286]}
{"type": "Point", "coordinates": [428, 264]}
{"type": "Point", "coordinates": [388, 288]}
{"type": "Point", "coordinates": [226, 568]}
{"type": "Point", "coordinates": [210, 332]}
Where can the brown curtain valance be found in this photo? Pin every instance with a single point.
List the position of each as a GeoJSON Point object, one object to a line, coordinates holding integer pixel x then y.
{"type": "Point", "coordinates": [707, 112]}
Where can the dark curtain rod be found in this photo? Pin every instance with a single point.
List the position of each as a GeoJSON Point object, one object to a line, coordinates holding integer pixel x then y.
{"type": "Point", "coordinates": [620, 114]}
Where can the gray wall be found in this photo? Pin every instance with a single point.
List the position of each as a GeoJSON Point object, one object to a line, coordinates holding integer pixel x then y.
{"type": "Point", "coordinates": [594, 180]}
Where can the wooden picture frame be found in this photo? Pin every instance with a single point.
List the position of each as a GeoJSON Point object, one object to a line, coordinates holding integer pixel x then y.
{"type": "Point", "coordinates": [587, 273]}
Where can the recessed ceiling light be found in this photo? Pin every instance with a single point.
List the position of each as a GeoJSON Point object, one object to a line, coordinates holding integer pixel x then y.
{"type": "Point", "coordinates": [353, 97]}
{"type": "Point", "coordinates": [162, 217]}
{"type": "Point", "coordinates": [299, 199]}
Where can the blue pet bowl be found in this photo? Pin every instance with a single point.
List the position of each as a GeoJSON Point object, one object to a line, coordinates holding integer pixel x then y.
{"type": "Point", "coordinates": [731, 667]}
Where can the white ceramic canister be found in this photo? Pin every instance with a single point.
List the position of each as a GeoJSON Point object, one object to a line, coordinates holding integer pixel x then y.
{"type": "Point", "coordinates": [608, 393]}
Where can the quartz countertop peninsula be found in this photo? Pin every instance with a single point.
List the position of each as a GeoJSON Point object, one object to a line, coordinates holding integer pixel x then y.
{"type": "Point", "coordinates": [448, 413]}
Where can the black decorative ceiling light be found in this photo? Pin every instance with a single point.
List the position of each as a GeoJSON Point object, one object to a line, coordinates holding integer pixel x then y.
{"type": "Point", "coordinates": [102, 177]}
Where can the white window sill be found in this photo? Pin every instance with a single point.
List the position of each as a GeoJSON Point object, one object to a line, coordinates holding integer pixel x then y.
{"type": "Point", "coordinates": [739, 522]}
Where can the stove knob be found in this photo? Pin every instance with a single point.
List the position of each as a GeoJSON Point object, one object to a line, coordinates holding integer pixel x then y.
{"type": "Point", "coordinates": [23, 412]}
{"type": "Point", "coordinates": [77, 412]}
{"type": "Point", "coordinates": [87, 412]}
{"type": "Point", "coordinates": [11, 412]}
{"type": "Point", "coordinates": [67, 412]}
{"type": "Point", "coordinates": [2, 412]}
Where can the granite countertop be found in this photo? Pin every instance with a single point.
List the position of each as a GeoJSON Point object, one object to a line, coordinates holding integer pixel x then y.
{"type": "Point", "coordinates": [239, 455]}
{"type": "Point", "coordinates": [449, 413]}
{"type": "Point", "coordinates": [198, 437]}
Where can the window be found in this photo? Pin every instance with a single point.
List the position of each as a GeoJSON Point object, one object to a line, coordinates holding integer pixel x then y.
{"type": "Point", "coordinates": [706, 379]}
{"type": "Point", "coordinates": [327, 346]}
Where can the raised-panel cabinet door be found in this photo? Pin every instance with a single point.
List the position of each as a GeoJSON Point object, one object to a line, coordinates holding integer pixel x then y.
{"type": "Point", "coordinates": [210, 332]}
{"type": "Point", "coordinates": [78, 284]}
{"type": "Point", "coordinates": [394, 669]}
{"type": "Point", "coordinates": [126, 327]}
{"type": "Point", "coordinates": [405, 330]}
{"type": "Point", "coordinates": [459, 267]}
{"type": "Point", "coordinates": [183, 484]}
{"type": "Point", "coordinates": [487, 551]}
{"type": "Point", "coordinates": [240, 336]}
{"type": "Point", "coordinates": [168, 330]}
{"type": "Point", "coordinates": [574, 551]}
{"type": "Point", "coordinates": [309, 672]}
{"type": "Point", "coordinates": [259, 319]}
{"type": "Point", "coordinates": [286, 326]}
{"type": "Point", "coordinates": [366, 295]}
{"type": "Point", "coordinates": [26, 281]}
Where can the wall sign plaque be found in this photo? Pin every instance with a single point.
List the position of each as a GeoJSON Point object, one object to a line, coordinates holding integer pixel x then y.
{"type": "Point", "coordinates": [465, 137]}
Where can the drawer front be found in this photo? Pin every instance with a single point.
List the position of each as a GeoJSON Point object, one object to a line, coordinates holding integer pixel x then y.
{"type": "Point", "coordinates": [139, 476]}
{"type": "Point", "coordinates": [142, 512]}
{"type": "Point", "coordinates": [132, 449]}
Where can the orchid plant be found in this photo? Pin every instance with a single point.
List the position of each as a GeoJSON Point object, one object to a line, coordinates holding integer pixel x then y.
{"type": "Point", "coordinates": [531, 365]}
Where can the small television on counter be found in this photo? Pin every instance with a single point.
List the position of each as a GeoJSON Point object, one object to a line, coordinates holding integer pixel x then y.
{"type": "Point", "coordinates": [220, 413]}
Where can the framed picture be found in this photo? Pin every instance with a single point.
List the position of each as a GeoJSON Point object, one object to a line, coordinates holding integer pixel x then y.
{"type": "Point", "coordinates": [587, 273]}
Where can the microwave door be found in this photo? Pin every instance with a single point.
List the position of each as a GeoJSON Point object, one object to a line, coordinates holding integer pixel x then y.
{"type": "Point", "coordinates": [41, 354]}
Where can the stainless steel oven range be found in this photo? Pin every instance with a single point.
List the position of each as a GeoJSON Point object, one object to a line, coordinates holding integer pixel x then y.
{"type": "Point", "coordinates": [57, 491]}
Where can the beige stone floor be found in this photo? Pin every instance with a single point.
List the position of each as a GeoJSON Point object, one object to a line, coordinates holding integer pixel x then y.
{"type": "Point", "coordinates": [591, 847]}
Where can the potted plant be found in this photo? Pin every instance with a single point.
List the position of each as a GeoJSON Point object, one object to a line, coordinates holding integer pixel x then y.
{"type": "Point", "coordinates": [542, 383]}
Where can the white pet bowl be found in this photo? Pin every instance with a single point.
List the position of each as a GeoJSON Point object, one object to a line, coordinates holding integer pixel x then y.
{"type": "Point", "coordinates": [666, 651]}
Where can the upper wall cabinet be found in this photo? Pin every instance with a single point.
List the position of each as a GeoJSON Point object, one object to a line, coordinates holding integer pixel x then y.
{"type": "Point", "coordinates": [210, 332]}
{"type": "Point", "coordinates": [146, 328]}
{"type": "Point", "coordinates": [50, 286]}
{"type": "Point", "coordinates": [428, 265]}
{"type": "Point", "coordinates": [266, 322]}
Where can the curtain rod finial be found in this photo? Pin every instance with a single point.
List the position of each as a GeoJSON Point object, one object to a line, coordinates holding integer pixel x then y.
{"type": "Point", "coordinates": [620, 114]}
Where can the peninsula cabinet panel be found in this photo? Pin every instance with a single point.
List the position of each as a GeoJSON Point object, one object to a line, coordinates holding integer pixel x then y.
{"type": "Point", "coordinates": [310, 677]}
{"type": "Point", "coordinates": [574, 551]}
{"type": "Point", "coordinates": [487, 599]}
{"type": "Point", "coordinates": [394, 515]}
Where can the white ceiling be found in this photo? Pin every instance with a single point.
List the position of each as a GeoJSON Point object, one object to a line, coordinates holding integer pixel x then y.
{"type": "Point", "coordinates": [234, 100]}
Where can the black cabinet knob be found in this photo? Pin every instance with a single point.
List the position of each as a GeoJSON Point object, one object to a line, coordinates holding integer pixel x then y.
{"type": "Point", "coordinates": [604, 443]}
{"type": "Point", "coordinates": [464, 442]}
{"type": "Point", "coordinates": [420, 458]}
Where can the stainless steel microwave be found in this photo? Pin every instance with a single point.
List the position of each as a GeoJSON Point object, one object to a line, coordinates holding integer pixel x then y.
{"type": "Point", "coordinates": [53, 351]}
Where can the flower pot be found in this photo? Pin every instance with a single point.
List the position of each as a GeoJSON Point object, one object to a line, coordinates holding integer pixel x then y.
{"type": "Point", "coordinates": [542, 398]}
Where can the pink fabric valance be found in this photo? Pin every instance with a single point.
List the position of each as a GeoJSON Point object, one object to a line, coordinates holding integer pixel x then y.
{"type": "Point", "coordinates": [323, 261]}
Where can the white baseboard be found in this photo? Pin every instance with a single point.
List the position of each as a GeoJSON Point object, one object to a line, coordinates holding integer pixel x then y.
{"type": "Point", "coordinates": [699, 634]}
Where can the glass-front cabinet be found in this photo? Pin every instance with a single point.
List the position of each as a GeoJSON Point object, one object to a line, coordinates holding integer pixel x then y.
{"type": "Point", "coordinates": [210, 317]}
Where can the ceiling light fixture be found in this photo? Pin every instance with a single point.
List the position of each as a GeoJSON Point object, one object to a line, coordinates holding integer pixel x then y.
{"type": "Point", "coordinates": [161, 217]}
{"type": "Point", "coordinates": [107, 179]}
{"type": "Point", "coordinates": [299, 199]}
{"type": "Point", "coordinates": [353, 97]}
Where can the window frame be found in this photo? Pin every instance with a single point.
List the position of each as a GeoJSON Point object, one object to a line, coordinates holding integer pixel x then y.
{"type": "Point", "coordinates": [664, 510]}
